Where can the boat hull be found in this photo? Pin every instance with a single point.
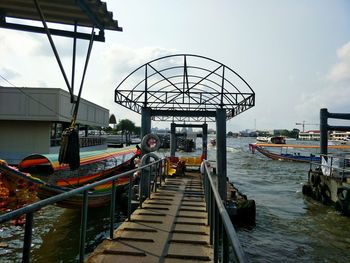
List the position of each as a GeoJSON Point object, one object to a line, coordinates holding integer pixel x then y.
{"type": "Point", "coordinates": [285, 157]}
{"type": "Point", "coordinates": [23, 184]}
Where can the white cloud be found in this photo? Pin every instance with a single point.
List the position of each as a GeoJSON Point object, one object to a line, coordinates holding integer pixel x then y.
{"type": "Point", "coordinates": [332, 92]}
{"type": "Point", "coordinates": [341, 70]}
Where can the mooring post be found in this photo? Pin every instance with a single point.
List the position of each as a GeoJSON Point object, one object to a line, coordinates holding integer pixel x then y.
{"type": "Point", "coordinates": [221, 152]}
{"type": "Point", "coordinates": [172, 139]}
{"type": "Point", "coordinates": [205, 140]}
{"type": "Point", "coordinates": [324, 131]}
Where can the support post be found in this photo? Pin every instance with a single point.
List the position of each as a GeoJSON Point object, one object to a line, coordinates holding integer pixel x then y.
{"type": "Point", "coordinates": [221, 152]}
{"type": "Point", "coordinates": [205, 140]}
{"type": "Point", "coordinates": [145, 121]}
{"type": "Point", "coordinates": [323, 131]}
{"type": "Point", "coordinates": [172, 139]}
{"type": "Point", "coordinates": [145, 129]}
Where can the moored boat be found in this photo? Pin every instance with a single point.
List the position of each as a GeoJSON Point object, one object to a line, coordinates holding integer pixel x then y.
{"type": "Point", "coordinates": [298, 151]}
{"type": "Point", "coordinates": [47, 177]}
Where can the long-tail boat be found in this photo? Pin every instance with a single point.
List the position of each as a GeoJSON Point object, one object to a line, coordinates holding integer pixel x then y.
{"type": "Point", "coordinates": [43, 174]}
{"type": "Point", "coordinates": [295, 156]}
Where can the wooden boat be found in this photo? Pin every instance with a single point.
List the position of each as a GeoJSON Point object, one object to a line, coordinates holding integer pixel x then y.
{"type": "Point", "coordinates": [43, 174]}
{"type": "Point", "coordinates": [295, 156]}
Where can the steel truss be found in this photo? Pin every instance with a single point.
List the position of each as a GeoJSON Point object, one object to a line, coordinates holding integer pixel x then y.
{"type": "Point", "coordinates": [185, 87]}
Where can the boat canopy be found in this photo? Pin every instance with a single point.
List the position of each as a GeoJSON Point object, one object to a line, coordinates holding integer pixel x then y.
{"type": "Point", "coordinates": [49, 162]}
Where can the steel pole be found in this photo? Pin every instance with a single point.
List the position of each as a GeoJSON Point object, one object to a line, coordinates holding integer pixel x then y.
{"type": "Point", "coordinates": [172, 139]}
{"type": "Point", "coordinates": [145, 121]}
{"type": "Point", "coordinates": [205, 140]}
{"type": "Point", "coordinates": [221, 161]}
{"type": "Point", "coordinates": [27, 243]}
{"type": "Point", "coordinates": [323, 131]}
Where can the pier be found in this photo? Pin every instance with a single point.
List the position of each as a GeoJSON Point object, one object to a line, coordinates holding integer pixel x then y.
{"type": "Point", "coordinates": [183, 218]}
{"type": "Point", "coordinates": [171, 224]}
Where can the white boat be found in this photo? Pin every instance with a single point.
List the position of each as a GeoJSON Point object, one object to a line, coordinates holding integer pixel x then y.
{"type": "Point", "coordinates": [273, 139]}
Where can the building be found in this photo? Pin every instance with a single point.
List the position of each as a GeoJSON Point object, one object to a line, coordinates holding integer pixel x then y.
{"type": "Point", "coordinates": [332, 136]}
{"type": "Point", "coordinates": [32, 121]}
{"type": "Point", "coordinates": [313, 135]}
{"type": "Point", "coordinates": [339, 135]}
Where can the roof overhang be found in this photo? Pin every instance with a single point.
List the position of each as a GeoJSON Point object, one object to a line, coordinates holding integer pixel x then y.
{"type": "Point", "coordinates": [80, 13]}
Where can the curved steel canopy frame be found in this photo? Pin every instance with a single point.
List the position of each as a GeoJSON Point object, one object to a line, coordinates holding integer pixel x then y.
{"type": "Point", "coordinates": [185, 87]}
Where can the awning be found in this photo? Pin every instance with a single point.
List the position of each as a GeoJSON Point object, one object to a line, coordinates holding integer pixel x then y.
{"type": "Point", "coordinates": [86, 13]}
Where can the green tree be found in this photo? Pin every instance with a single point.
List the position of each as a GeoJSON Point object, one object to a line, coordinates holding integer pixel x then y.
{"type": "Point", "coordinates": [126, 126]}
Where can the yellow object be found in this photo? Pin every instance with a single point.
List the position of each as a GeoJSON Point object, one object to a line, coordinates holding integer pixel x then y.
{"type": "Point", "coordinates": [191, 161]}
{"type": "Point", "coordinates": [171, 171]}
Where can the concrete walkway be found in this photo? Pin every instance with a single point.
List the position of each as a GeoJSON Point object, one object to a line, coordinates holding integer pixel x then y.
{"type": "Point", "coordinates": [171, 226]}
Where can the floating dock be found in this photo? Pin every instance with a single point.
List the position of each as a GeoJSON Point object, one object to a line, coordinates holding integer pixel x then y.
{"type": "Point", "coordinates": [171, 226]}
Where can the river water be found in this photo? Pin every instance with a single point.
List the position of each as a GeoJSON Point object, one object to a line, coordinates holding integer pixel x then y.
{"type": "Point", "coordinates": [289, 227]}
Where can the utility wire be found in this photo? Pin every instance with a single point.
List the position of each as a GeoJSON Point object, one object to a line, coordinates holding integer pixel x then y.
{"type": "Point", "coordinates": [34, 99]}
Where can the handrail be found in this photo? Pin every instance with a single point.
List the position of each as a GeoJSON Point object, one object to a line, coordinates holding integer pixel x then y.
{"type": "Point", "coordinates": [30, 209]}
{"type": "Point", "coordinates": [222, 233]}
{"type": "Point", "coordinates": [331, 164]}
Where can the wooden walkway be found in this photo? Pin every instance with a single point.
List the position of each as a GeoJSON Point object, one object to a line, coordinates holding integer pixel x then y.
{"type": "Point", "coordinates": [171, 226]}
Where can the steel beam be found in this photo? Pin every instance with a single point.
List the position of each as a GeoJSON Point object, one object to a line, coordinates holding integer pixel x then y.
{"type": "Point", "coordinates": [55, 32]}
{"type": "Point", "coordinates": [188, 113]}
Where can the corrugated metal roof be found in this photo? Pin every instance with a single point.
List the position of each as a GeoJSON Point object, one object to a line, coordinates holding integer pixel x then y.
{"type": "Point", "coordinates": [86, 13]}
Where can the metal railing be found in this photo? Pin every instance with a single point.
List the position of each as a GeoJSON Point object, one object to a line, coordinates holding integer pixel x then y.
{"type": "Point", "coordinates": [155, 167]}
{"type": "Point", "coordinates": [223, 236]}
{"type": "Point", "coordinates": [336, 165]}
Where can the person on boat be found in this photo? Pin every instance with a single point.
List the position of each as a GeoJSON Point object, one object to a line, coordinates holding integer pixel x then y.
{"type": "Point", "coordinates": [137, 155]}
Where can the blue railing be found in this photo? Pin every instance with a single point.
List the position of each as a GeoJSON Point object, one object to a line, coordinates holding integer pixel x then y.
{"type": "Point", "coordinates": [155, 169]}
{"type": "Point", "coordinates": [223, 236]}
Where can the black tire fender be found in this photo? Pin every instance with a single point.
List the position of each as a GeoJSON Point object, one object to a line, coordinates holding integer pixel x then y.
{"type": "Point", "coordinates": [343, 194]}
{"type": "Point", "coordinates": [326, 197]}
{"type": "Point", "coordinates": [146, 143]}
{"type": "Point", "coordinates": [147, 157]}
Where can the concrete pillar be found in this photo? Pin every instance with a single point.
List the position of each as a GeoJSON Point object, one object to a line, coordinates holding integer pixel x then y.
{"type": "Point", "coordinates": [221, 161]}
{"type": "Point", "coordinates": [205, 140]}
{"type": "Point", "coordinates": [323, 131]}
{"type": "Point", "coordinates": [145, 121]}
{"type": "Point", "coordinates": [172, 139]}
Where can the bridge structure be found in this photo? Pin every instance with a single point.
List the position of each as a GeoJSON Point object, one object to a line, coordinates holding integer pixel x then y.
{"type": "Point", "coordinates": [187, 90]}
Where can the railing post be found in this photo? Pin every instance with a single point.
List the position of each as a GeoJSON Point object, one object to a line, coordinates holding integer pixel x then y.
{"type": "Point", "coordinates": [112, 211]}
{"type": "Point", "coordinates": [211, 216]}
{"type": "Point", "coordinates": [129, 195]}
{"type": "Point", "coordinates": [149, 180]}
{"type": "Point", "coordinates": [216, 233]}
{"type": "Point", "coordinates": [141, 187]}
{"type": "Point", "coordinates": [225, 251]}
{"type": "Point", "coordinates": [83, 227]}
{"type": "Point", "coordinates": [27, 237]}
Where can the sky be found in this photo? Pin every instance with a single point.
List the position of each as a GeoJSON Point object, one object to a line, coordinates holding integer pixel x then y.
{"type": "Point", "coordinates": [294, 54]}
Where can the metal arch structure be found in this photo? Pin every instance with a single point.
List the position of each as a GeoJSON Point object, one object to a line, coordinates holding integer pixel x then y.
{"type": "Point", "coordinates": [185, 88]}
